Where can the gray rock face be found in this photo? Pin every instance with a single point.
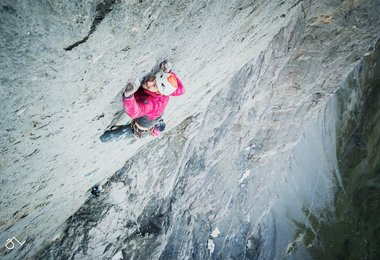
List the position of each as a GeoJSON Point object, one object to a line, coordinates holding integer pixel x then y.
{"type": "Point", "coordinates": [269, 152]}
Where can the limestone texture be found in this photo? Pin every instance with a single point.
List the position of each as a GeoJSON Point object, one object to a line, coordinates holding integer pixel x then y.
{"type": "Point", "coordinates": [272, 151]}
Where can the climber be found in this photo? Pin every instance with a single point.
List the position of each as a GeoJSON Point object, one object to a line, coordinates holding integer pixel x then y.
{"type": "Point", "coordinates": [146, 103]}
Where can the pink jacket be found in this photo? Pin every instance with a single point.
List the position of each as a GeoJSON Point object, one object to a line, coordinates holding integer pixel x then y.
{"type": "Point", "coordinates": [150, 104]}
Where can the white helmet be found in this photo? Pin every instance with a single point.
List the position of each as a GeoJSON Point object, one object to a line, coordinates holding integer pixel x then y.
{"type": "Point", "coordinates": [166, 83]}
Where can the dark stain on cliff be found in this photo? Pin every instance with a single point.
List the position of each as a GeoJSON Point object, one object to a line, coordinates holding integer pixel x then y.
{"type": "Point", "coordinates": [102, 10]}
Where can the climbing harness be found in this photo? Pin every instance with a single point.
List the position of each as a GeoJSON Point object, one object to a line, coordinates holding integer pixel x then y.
{"type": "Point", "coordinates": [138, 131]}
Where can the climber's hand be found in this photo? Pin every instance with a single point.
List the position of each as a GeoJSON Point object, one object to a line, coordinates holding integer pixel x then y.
{"type": "Point", "coordinates": [130, 89]}
{"type": "Point", "coordinates": [166, 66]}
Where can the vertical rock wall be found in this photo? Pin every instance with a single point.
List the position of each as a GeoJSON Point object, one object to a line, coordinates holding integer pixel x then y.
{"type": "Point", "coordinates": [258, 78]}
